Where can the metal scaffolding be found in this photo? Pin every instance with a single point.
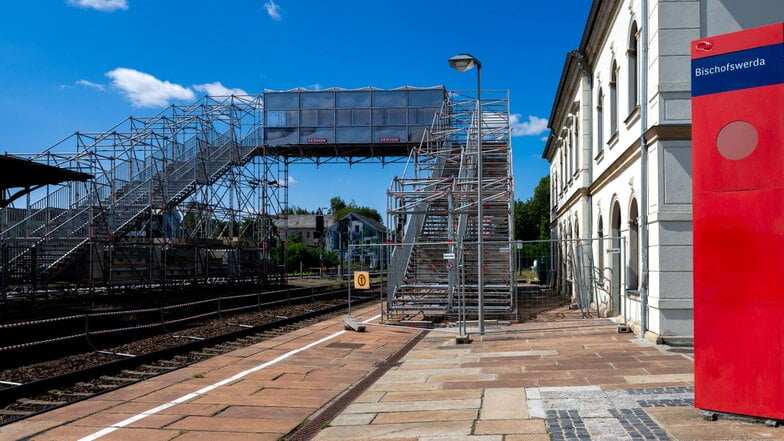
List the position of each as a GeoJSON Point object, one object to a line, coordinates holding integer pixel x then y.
{"type": "Point", "coordinates": [180, 197]}
{"type": "Point", "coordinates": [434, 268]}
{"type": "Point", "coordinates": [198, 194]}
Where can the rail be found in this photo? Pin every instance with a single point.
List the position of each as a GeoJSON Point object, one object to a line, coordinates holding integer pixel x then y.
{"type": "Point", "coordinates": [36, 333]}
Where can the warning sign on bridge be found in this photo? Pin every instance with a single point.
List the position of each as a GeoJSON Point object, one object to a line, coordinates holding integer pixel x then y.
{"type": "Point", "coordinates": [361, 280]}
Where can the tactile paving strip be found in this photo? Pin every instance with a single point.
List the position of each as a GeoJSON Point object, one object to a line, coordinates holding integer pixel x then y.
{"type": "Point", "coordinates": [589, 413]}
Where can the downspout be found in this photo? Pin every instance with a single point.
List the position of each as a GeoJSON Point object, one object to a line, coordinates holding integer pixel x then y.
{"type": "Point", "coordinates": [643, 169]}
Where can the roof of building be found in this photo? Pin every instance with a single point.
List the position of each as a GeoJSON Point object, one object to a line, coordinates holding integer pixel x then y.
{"type": "Point", "coordinates": [378, 226]}
{"type": "Point", "coordinates": [581, 58]}
{"type": "Point", "coordinates": [308, 221]}
{"type": "Point", "coordinates": [29, 175]}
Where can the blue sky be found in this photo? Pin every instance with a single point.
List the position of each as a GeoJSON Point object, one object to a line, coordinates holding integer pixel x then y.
{"type": "Point", "coordinates": [86, 65]}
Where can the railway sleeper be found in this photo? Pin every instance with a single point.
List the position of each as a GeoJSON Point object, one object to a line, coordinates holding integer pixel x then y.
{"type": "Point", "coordinates": [86, 385]}
{"type": "Point", "coordinates": [14, 412]}
{"type": "Point", "coordinates": [235, 344]}
{"type": "Point", "coordinates": [29, 402]}
{"type": "Point", "coordinates": [138, 373]}
{"type": "Point", "coordinates": [116, 379]}
{"type": "Point", "coordinates": [161, 368]}
{"type": "Point", "coordinates": [60, 393]}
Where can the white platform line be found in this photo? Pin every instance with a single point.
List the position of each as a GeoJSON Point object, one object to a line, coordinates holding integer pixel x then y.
{"type": "Point", "coordinates": [206, 389]}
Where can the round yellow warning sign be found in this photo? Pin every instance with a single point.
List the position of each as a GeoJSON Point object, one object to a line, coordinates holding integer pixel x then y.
{"type": "Point", "coordinates": [361, 280]}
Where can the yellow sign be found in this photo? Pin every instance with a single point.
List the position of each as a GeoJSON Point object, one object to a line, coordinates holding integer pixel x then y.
{"type": "Point", "coordinates": [361, 280]}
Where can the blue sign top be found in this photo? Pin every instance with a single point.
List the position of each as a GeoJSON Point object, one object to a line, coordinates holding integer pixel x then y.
{"type": "Point", "coordinates": [759, 66]}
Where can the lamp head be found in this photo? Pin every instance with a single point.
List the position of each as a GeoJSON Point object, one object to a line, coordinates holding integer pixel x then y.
{"type": "Point", "coordinates": [464, 62]}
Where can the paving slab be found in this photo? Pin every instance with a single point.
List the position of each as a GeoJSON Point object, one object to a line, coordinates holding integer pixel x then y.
{"type": "Point", "coordinates": [558, 377]}
{"type": "Point", "coordinates": [241, 395]}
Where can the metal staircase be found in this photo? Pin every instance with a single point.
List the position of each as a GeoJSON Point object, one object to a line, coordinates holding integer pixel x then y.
{"type": "Point", "coordinates": [434, 265]}
{"type": "Point", "coordinates": [144, 167]}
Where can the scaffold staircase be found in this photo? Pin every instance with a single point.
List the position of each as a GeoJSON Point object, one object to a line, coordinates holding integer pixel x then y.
{"type": "Point", "coordinates": [434, 266]}
{"type": "Point", "coordinates": [143, 168]}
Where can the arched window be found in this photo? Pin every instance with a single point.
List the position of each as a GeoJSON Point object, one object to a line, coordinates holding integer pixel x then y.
{"type": "Point", "coordinates": [634, 77]}
{"type": "Point", "coordinates": [634, 246]}
{"type": "Point", "coordinates": [614, 99]}
{"type": "Point", "coordinates": [615, 261]}
{"type": "Point", "coordinates": [576, 228]}
{"type": "Point", "coordinates": [600, 122]}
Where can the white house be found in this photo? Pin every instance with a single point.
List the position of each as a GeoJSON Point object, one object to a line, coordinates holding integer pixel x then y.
{"type": "Point", "coordinates": [620, 153]}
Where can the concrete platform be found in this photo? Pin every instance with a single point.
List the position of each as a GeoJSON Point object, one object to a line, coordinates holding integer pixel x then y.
{"type": "Point", "coordinates": [559, 377]}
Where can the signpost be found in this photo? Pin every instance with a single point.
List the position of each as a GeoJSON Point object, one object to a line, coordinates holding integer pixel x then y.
{"type": "Point", "coordinates": [738, 220]}
{"type": "Point", "coordinates": [361, 280]}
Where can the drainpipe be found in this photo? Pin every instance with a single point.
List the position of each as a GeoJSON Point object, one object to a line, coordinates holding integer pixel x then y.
{"type": "Point", "coordinates": [643, 169]}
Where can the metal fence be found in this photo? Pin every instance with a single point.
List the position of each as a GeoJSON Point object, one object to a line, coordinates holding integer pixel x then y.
{"type": "Point", "coordinates": [589, 274]}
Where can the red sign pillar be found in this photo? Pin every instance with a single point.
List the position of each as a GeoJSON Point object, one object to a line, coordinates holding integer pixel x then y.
{"type": "Point", "coordinates": [738, 212]}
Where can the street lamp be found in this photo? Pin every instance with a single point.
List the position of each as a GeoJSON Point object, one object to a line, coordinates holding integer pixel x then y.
{"type": "Point", "coordinates": [462, 63]}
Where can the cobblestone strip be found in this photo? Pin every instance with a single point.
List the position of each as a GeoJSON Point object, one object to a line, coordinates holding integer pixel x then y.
{"type": "Point", "coordinates": [589, 413]}
{"type": "Point", "coordinates": [639, 425]}
{"type": "Point", "coordinates": [566, 425]}
{"type": "Point", "coordinates": [667, 403]}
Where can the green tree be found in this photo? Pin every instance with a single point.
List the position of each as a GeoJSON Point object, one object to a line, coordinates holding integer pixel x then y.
{"type": "Point", "coordinates": [340, 209]}
{"type": "Point", "coordinates": [532, 217]}
{"type": "Point", "coordinates": [310, 257]}
{"type": "Point", "coordinates": [336, 204]}
{"type": "Point", "coordinates": [296, 210]}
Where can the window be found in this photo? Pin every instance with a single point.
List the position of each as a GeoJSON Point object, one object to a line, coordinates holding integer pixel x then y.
{"type": "Point", "coordinates": [600, 123]}
{"type": "Point", "coordinates": [614, 100]}
{"type": "Point", "coordinates": [634, 247]}
{"type": "Point", "coordinates": [634, 79]}
{"type": "Point", "coordinates": [569, 152]}
{"type": "Point", "coordinates": [561, 165]}
{"type": "Point", "coordinates": [576, 141]}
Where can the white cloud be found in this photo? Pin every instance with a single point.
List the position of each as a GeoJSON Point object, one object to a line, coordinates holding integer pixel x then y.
{"type": "Point", "coordinates": [273, 10]}
{"type": "Point", "coordinates": [144, 90]}
{"type": "Point", "coordinates": [90, 84]}
{"type": "Point", "coordinates": [292, 180]}
{"type": "Point", "coordinates": [218, 89]}
{"type": "Point", "coordinates": [534, 125]}
{"type": "Point", "coordinates": [544, 138]}
{"type": "Point", "coordinates": [100, 5]}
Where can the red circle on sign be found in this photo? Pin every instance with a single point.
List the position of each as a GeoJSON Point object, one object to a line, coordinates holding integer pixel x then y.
{"type": "Point", "coordinates": [737, 140]}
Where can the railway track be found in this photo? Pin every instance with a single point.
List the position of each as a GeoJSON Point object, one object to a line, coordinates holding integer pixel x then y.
{"type": "Point", "coordinates": [23, 393]}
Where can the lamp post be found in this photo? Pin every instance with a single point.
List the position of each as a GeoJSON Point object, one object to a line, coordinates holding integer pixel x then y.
{"type": "Point", "coordinates": [462, 63]}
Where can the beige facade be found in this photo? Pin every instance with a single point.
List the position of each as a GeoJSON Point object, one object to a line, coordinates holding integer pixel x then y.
{"type": "Point", "coordinates": [304, 227]}
{"type": "Point", "coordinates": [626, 85]}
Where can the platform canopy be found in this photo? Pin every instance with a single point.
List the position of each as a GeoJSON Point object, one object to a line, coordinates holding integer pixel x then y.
{"type": "Point", "coordinates": [28, 175]}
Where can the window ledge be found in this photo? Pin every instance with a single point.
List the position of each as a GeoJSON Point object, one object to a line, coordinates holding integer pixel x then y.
{"type": "Point", "coordinates": [599, 156]}
{"type": "Point", "coordinates": [613, 140]}
{"type": "Point", "coordinates": [633, 117]}
{"type": "Point", "coordinates": [633, 294]}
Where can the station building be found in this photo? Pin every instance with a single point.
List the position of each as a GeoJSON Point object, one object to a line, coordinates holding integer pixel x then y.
{"type": "Point", "coordinates": [620, 154]}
